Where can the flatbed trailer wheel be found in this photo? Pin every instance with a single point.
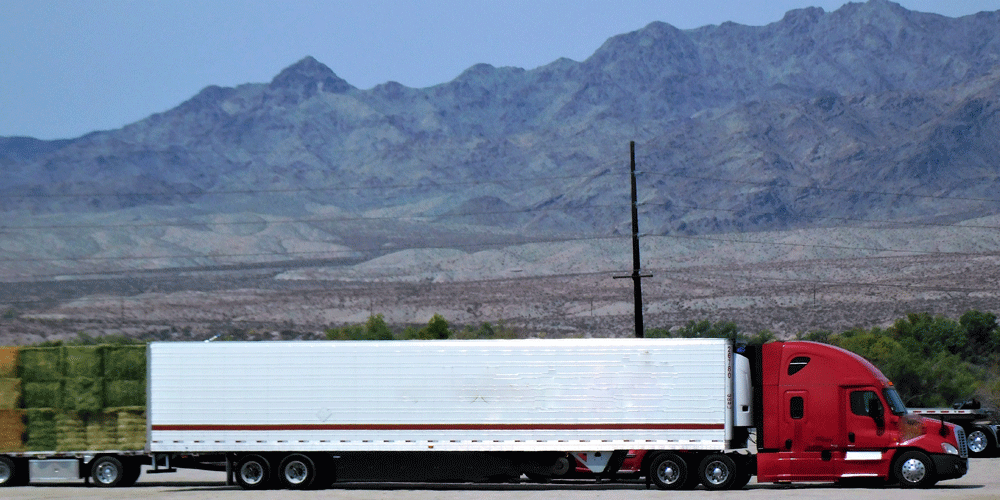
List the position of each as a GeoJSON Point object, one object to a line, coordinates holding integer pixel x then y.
{"type": "Point", "coordinates": [108, 472]}
{"type": "Point", "coordinates": [13, 472]}
{"type": "Point", "coordinates": [981, 442]}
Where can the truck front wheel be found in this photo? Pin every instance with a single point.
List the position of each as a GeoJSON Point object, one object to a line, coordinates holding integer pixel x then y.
{"type": "Point", "coordinates": [981, 442]}
{"type": "Point", "coordinates": [914, 470]}
{"type": "Point", "coordinates": [668, 471]}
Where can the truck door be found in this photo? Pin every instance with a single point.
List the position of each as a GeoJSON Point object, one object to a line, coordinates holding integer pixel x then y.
{"type": "Point", "coordinates": [864, 435]}
{"type": "Point", "coordinates": [807, 453]}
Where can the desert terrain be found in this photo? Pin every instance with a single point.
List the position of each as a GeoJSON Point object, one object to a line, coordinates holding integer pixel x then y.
{"type": "Point", "coordinates": [785, 282]}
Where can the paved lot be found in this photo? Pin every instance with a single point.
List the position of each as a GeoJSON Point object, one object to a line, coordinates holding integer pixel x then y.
{"type": "Point", "coordinates": [982, 483]}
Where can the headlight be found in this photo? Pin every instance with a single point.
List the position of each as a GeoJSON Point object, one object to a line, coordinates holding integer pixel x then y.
{"type": "Point", "coordinates": [949, 449]}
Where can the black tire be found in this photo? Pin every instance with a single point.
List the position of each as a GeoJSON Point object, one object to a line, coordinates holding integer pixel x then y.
{"type": "Point", "coordinates": [981, 442]}
{"type": "Point", "coordinates": [13, 472]}
{"type": "Point", "coordinates": [107, 472]}
{"type": "Point", "coordinates": [668, 471]}
{"type": "Point", "coordinates": [253, 472]}
{"type": "Point", "coordinates": [297, 472]}
{"type": "Point", "coordinates": [326, 471]}
{"type": "Point", "coordinates": [914, 469]}
{"type": "Point", "coordinates": [717, 472]}
{"type": "Point", "coordinates": [562, 466]}
{"type": "Point", "coordinates": [133, 469]}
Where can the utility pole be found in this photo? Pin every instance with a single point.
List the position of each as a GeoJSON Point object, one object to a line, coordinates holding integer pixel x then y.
{"type": "Point", "coordinates": [636, 270]}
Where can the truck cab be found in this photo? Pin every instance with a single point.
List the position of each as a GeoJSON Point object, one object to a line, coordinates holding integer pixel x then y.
{"type": "Point", "coordinates": [830, 415]}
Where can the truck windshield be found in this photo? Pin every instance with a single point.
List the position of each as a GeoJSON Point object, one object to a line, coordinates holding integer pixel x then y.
{"type": "Point", "coordinates": [896, 405]}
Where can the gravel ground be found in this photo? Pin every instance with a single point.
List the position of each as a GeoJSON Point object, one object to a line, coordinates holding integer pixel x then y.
{"type": "Point", "coordinates": [981, 483]}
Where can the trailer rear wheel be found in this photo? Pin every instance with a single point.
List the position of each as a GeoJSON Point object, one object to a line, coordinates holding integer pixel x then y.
{"type": "Point", "coordinates": [253, 472]}
{"type": "Point", "coordinates": [297, 471]}
{"type": "Point", "coordinates": [914, 469]}
{"type": "Point", "coordinates": [668, 471]}
{"type": "Point", "coordinates": [981, 442]}
{"type": "Point", "coordinates": [107, 472]}
{"type": "Point", "coordinates": [717, 472]}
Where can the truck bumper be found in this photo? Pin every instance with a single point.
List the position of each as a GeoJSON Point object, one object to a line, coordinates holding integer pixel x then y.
{"type": "Point", "coordinates": [950, 466]}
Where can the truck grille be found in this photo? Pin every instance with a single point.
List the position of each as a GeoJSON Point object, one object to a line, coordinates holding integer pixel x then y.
{"type": "Point", "coordinates": [963, 444]}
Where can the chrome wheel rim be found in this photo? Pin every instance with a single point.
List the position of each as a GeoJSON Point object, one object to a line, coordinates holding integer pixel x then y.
{"type": "Point", "coordinates": [977, 441]}
{"type": "Point", "coordinates": [914, 470]}
{"type": "Point", "coordinates": [668, 472]}
{"type": "Point", "coordinates": [252, 472]}
{"type": "Point", "coordinates": [296, 472]}
{"type": "Point", "coordinates": [5, 473]}
{"type": "Point", "coordinates": [106, 473]}
{"type": "Point", "coordinates": [716, 472]}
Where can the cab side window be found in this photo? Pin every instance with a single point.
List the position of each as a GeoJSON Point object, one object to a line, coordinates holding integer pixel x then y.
{"type": "Point", "coordinates": [863, 401]}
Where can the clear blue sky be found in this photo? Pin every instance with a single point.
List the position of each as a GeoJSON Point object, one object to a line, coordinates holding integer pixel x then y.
{"type": "Point", "coordinates": [68, 67]}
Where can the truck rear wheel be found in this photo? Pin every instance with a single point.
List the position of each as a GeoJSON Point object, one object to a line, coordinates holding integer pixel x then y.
{"type": "Point", "coordinates": [253, 472]}
{"type": "Point", "coordinates": [717, 472]}
{"type": "Point", "coordinates": [668, 471]}
{"type": "Point", "coordinates": [981, 442]}
{"type": "Point", "coordinates": [297, 471]}
{"type": "Point", "coordinates": [914, 469]}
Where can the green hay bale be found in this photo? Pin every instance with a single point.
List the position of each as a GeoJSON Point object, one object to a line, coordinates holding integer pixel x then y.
{"type": "Point", "coordinates": [10, 393]}
{"type": "Point", "coordinates": [83, 361]}
{"type": "Point", "coordinates": [132, 429]}
{"type": "Point", "coordinates": [102, 431]}
{"type": "Point", "coordinates": [41, 394]}
{"type": "Point", "coordinates": [41, 430]}
{"type": "Point", "coordinates": [12, 430]}
{"type": "Point", "coordinates": [83, 394]}
{"type": "Point", "coordinates": [40, 364]}
{"type": "Point", "coordinates": [119, 393]}
{"type": "Point", "coordinates": [125, 362]}
{"type": "Point", "coordinates": [71, 431]}
{"type": "Point", "coordinates": [8, 361]}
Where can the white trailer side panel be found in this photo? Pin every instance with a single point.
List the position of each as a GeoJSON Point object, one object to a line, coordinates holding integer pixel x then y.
{"type": "Point", "coordinates": [509, 395]}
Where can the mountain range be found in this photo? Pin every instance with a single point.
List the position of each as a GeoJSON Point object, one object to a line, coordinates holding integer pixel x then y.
{"type": "Point", "coordinates": [868, 115]}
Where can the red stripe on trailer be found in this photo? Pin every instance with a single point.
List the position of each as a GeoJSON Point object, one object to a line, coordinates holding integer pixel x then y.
{"type": "Point", "coordinates": [431, 427]}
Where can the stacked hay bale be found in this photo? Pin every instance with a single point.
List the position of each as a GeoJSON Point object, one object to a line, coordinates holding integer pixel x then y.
{"type": "Point", "coordinates": [11, 414]}
{"type": "Point", "coordinates": [72, 398]}
{"type": "Point", "coordinates": [125, 393]}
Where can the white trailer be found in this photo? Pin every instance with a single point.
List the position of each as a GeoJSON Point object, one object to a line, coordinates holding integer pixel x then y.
{"type": "Point", "coordinates": [284, 411]}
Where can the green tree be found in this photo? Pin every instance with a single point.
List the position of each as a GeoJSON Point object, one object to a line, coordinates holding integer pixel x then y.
{"type": "Point", "coordinates": [373, 329]}
{"type": "Point", "coordinates": [436, 329]}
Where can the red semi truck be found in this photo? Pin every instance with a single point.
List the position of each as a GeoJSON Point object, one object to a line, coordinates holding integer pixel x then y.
{"type": "Point", "coordinates": [304, 414]}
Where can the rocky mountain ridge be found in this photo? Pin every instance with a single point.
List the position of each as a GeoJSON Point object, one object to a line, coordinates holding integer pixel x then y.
{"type": "Point", "coordinates": [868, 113]}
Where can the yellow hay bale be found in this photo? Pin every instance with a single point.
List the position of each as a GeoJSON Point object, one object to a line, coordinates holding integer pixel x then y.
{"type": "Point", "coordinates": [8, 361]}
{"type": "Point", "coordinates": [10, 393]}
{"type": "Point", "coordinates": [132, 429]}
{"type": "Point", "coordinates": [12, 430]}
{"type": "Point", "coordinates": [102, 431]}
{"type": "Point", "coordinates": [71, 431]}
